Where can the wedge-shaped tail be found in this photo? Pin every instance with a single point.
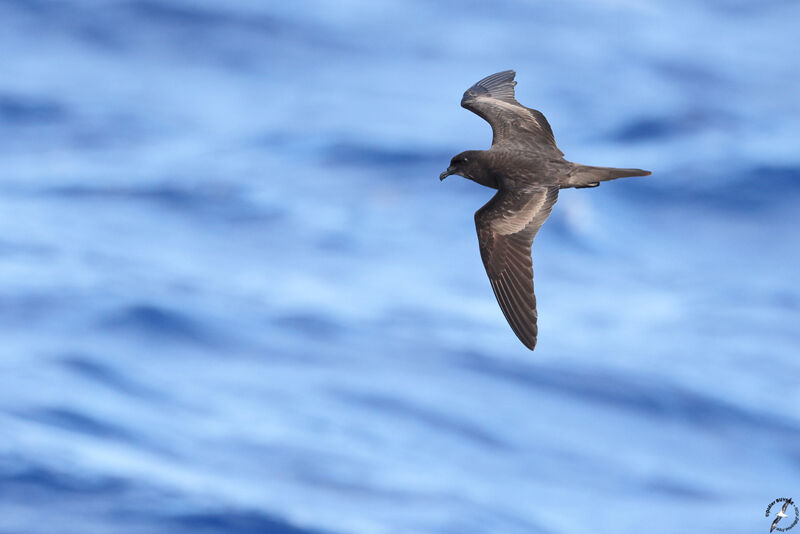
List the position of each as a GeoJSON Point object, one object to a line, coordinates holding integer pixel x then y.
{"type": "Point", "coordinates": [589, 176]}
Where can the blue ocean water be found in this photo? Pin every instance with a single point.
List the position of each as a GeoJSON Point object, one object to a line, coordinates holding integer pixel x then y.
{"type": "Point", "coordinates": [234, 296]}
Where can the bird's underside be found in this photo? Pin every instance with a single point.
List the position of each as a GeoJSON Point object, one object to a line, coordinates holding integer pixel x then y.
{"type": "Point", "coordinates": [528, 169]}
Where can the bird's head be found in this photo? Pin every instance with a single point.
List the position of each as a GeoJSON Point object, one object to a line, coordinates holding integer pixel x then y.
{"type": "Point", "coordinates": [465, 164]}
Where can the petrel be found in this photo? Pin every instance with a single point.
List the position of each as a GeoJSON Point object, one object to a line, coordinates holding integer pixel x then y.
{"type": "Point", "coordinates": [527, 169]}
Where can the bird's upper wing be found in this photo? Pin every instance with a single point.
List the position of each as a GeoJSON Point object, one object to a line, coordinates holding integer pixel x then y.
{"type": "Point", "coordinates": [492, 98]}
{"type": "Point", "coordinates": [506, 227]}
{"type": "Point", "coordinates": [785, 506]}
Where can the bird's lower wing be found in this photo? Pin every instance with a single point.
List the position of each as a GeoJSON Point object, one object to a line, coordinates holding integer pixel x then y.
{"type": "Point", "coordinates": [506, 227]}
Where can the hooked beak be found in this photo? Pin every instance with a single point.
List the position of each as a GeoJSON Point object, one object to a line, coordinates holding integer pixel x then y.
{"type": "Point", "coordinates": [446, 173]}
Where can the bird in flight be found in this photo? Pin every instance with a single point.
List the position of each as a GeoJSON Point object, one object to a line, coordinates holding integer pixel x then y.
{"type": "Point", "coordinates": [527, 169]}
{"type": "Point", "coordinates": [780, 515]}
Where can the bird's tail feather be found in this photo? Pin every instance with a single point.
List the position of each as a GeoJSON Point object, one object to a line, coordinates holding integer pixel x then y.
{"type": "Point", "coordinates": [589, 176]}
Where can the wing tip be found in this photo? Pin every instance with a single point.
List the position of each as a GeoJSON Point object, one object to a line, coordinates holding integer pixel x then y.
{"type": "Point", "coordinates": [526, 338]}
{"type": "Point", "coordinates": [504, 76]}
{"type": "Point", "coordinates": [526, 330]}
{"type": "Point", "coordinates": [499, 85]}
{"type": "Point", "coordinates": [531, 336]}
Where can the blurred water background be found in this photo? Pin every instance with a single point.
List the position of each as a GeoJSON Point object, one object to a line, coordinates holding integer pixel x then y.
{"type": "Point", "coordinates": [234, 296]}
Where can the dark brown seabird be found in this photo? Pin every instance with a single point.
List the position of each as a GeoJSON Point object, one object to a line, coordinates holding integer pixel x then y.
{"type": "Point", "coordinates": [527, 168]}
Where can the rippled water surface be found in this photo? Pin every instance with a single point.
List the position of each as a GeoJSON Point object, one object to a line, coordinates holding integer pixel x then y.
{"type": "Point", "coordinates": [234, 296]}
